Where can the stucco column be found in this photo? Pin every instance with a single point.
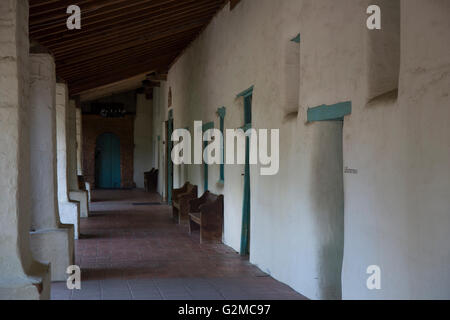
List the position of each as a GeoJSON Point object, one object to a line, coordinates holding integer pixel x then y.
{"type": "Point", "coordinates": [79, 141]}
{"type": "Point", "coordinates": [74, 191]}
{"type": "Point", "coordinates": [69, 211]}
{"type": "Point", "coordinates": [80, 151]}
{"type": "Point", "coordinates": [50, 240]}
{"type": "Point", "coordinates": [21, 277]}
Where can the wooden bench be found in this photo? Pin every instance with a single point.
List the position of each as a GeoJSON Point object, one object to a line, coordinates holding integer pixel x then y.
{"type": "Point", "coordinates": [151, 180]}
{"type": "Point", "coordinates": [206, 214]}
{"type": "Point", "coordinates": [180, 202]}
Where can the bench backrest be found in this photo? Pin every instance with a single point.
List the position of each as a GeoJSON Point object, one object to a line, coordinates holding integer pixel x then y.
{"type": "Point", "coordinates": [190, 188]}
{"type": "Point", "coordinates": [217, 199]}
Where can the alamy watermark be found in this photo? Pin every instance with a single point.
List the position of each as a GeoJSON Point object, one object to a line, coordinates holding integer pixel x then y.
{"type": "Point", "coordinates": [235, 147]}
{"type": "Point", "coordinates": [74, 279]}
{"type": "Point", "coordinates": [374, 280]}
{"type": "Point", "coordinates": [373, 21]}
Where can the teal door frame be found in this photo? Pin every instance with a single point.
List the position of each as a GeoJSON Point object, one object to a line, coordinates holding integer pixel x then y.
{"type": "Point", "coordinates": [246, 209]}
{"type": "Point", "coordinates": [169, 157]}
{"type": "Point", "coordinates": [107, 161]}
{"type": "Point", "coordinates": [206, 127]}
{"type": "Point", "coordinates": [222, 112]}
{"type": "Point", "coordinates": [334, 112]}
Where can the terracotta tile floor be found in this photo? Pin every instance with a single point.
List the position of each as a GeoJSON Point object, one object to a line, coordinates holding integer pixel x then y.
{"type": "Point", "coordinates": [129, 251]}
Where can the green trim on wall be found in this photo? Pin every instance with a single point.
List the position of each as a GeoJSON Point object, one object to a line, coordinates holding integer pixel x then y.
{"type": "Point", "coordinates": [245, 235]}
{"type": "Point", "coordinates": [246, 92]}
{"type": "Point", "coordinates": [169, 158]}
{"type": "Point", "coordinates": [206, 127]}
{"type": "Point", "coordinates": [329, 113]}
{"type": "Point", "coordinates": [222, 112]}
{"type": "Point", "coordinates": [296, 39]}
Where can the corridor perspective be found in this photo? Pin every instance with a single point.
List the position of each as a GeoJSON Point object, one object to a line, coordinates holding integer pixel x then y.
{"type": "Point", "coordinates": [129, 248]}
{"type": "Point", "coordinates": [224, 150]}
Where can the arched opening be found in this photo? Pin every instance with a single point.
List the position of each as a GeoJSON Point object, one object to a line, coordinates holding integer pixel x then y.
{"type": "Point", "coordinates": [107, 162]}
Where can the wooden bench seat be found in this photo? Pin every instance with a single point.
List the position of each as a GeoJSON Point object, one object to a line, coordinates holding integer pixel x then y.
{"type": "Point", "coordinates": [180, 202]}
{"type": "Point", "coordinates": [196, 217]}
{"type": "Point", "coordinates": [206, 215]}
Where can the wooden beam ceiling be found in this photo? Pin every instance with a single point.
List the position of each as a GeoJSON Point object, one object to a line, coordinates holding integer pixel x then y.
{"type": "Point", "coordinates": [119, 39]}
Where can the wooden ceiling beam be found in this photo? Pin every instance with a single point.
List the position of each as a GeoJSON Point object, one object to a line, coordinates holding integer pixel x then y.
{"type": "Point", "coordinates": [142, 37]}
{"type": "Point", "coordinates": [173, 12]}
{"type": "Point", "coordinates": [106, 21]}
{"type": "Point", "coordinates": [91, 83]}
{"type": "Point", "coordinates": [49, 21]}
{"type": "Point", "coordinates": [119, 39]}
{"type": "Point", "coordinates": [156, 45]}
{"type": "Point", "coordinates": [148, 54]}
{"type": "Point", "coordinates": [77, 58]}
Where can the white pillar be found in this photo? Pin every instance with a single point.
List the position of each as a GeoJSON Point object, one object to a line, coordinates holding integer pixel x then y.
{"type": "Point", "coordinates": [87, 185]}
{"type": "Point", "coordinates": [50, 240]}
{"type": "Point", "coordinates": [21, 277]}
{"type": "Point", "coordinates": [69, 211]}
{"type": "Point", "coordinates": [74, 191]}
{"type": "Point", "coordinates": [79, 142]}
{"type": "Point", "coordinates": [142, 139]}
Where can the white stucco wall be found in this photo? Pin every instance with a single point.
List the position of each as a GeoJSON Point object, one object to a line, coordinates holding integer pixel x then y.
{"type": "Point", "coordinates": [79, 127]}
{"type": "Point", "coordinates": [20, 275]}
{"type": "Point", "coordinates": [158, 136]}
{"type": "Point", "coordinates": [69, 211]}
{"type": "Point", "coordinates": [142, 139]}
{"type": "Point", "coordinates": [396, 206]}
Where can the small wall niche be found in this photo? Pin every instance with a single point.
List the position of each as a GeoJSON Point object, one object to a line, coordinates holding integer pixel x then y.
{"type": "Point", "coordinates": [384, 51]}
{"type": "Point", "coordinates": [291, 78]}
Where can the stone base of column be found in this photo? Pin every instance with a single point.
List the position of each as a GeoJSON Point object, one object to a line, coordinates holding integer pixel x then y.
{"type": "Point", "coordinates": [88, 189]}
{"type": "Point", "coordinates": [33, 286]}
{"type": "Point", "coordinates": [55, 246]}
{"type": "Point", "coordinates": [69, 213]}
{"type": "Point", "coordinates": [81, 196]}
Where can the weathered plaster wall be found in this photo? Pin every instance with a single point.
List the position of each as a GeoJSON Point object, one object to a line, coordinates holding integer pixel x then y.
{"type": "Point", "coordinates": [50, 240]}
{"type": "Point", "coordinates": [75, 193]}
{"type": "Point", "coordinates": [21, 277]}
{"type": "Point", "coordinates": [69, 211]}
{"type": "Point", "coordinates": [94, 126]}
{"type": "Point", "coordinates": [396, 207]}
{"type": "Point", "coordinates": [142, 139]}
{"type": "Point", "coordinates": [158, 135]}
{"type": "Point", "coordinates": [79, 142]}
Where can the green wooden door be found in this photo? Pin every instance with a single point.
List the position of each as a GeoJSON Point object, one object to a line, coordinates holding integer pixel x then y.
{"type": "Point", "coordinates": [107, 161]}
{"type": "Point", "coordinates": [169, 158]}
{"type": "Point", "coordinates": [245, 237]}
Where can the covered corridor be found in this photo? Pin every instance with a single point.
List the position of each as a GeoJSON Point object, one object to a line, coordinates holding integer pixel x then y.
{"type": "Point", "coordinates": [129, 248]}
{"type": "Point", "coordinates": [309, 140]}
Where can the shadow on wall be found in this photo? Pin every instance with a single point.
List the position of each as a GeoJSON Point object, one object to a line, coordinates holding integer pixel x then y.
{"type": "Point", "coordinates": [327, 194]}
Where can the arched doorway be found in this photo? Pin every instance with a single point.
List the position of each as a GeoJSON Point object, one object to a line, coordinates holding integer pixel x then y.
{"type": "Point", "coordinates": [107, 162]}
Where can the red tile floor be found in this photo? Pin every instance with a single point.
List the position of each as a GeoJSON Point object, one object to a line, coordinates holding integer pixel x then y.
{"type": "Point", "coordinates": [129, 251]}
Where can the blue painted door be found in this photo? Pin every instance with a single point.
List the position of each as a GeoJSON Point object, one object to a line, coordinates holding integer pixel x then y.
{"type": "Point", "coordinates": [107, 161]}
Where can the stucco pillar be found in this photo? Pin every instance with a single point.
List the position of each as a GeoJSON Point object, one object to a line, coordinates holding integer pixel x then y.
{"type": "Point", "coordinates": [79, 141]}
{"type": "Point", "coordinates": [142, 139]}
{"type": "Point", "coordinates": [50, 240]}
{"type": "Point", "coordinates": [74, 191]}
{"type": "Point", "coordinates": [80, 170]}
{"type": "Point", "coordinates": [21, 277]}
{"type": "Point", "coordinates": [69, 210]}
